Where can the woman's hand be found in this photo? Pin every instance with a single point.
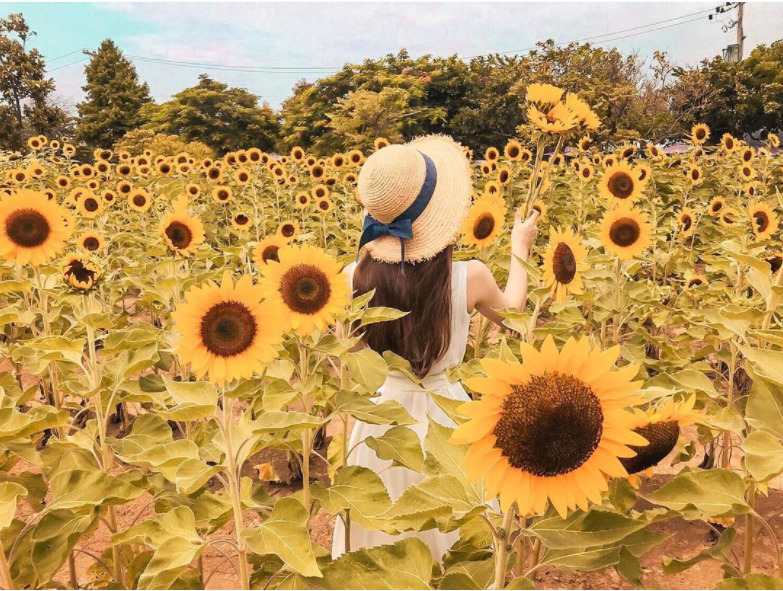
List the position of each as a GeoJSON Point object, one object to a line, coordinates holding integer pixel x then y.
{"type": "Point", "coordinates": [523, 234]}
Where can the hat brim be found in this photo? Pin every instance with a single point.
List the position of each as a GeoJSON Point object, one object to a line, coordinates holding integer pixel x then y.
{"type": "Point", "coordinates": [439, 225]}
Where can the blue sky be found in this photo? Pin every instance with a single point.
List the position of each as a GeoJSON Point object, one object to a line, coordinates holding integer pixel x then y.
{"type": "Point", "coordinates": [326, 35]}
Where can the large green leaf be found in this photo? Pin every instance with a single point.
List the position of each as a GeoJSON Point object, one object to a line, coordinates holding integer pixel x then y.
{"type": "Point", "coordinates": [764, 410]}
{"type": "Point", "coordinates": [765, 362]}
{"type": "Point", "coordinates": [9, 493]}
{"type": "Point", "coordinates": [703, 493]}
{"type": "Point", "coordinates": [367, 368]}
{"type": "Point", "coordinates": [597, 527]}
{"type": "Point", "coordinates": [401, 445]}
{"type": "Point", "coordinates": [191, 400]}
{"type": "Point", "coordinates": [78, 489]}
{"type": "Point", "coordinates": [582, 559]}
{"type": "Point", "coordinates": [54, 536]}
{"type": "Point", "coordinates": [763, 456]}
{"type": "Point", "coordinates": [364, 409]}
{"type": "Point", "coordinates": [285, 535]}
{"type": "Point", "coordinates": [357, 489]}
{"type": "Point", "coordinates": [380, 314]}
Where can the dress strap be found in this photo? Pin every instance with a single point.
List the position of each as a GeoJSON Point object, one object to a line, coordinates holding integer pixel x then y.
{"type": "Point", "coordinates": [459, 290]}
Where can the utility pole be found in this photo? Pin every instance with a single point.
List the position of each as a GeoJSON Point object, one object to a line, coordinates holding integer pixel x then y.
{"type": "Point", "coordinates": [740, 29]}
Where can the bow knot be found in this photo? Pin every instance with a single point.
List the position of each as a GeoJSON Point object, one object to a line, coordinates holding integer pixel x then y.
{"type": "Point", "coordinates": [399, 228]}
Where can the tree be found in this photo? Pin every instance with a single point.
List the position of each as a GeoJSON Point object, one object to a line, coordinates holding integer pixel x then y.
{"type": "Point", "coordinates": [26, 107]}
{"type": "Point", "coordinates": [136, 141]}
{"type": "Point", "coordinates": [223, 118]}
{"type": "Point", "coordinates": [114, 98]}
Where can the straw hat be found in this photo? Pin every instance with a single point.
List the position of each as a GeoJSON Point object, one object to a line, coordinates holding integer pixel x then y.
{"type": "Point", "coordinates": [398, 179]}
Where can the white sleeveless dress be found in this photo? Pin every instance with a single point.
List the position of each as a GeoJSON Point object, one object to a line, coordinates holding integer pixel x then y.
{"type": "Point", "coordinates": [419, 404]}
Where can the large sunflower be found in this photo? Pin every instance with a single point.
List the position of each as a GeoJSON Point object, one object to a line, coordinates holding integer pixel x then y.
{"type": "Point", "coordinates": [586, 116]}
{"type": "Point", "coordinates": [227, 331]}
{"type": "Point", "coordinates": [543, 94]}
{"type": "Point", "coordinates": [32, 228]}
{"type": "Point", "coordinates": [182, 232]}
{"type": "Point", "coordinates": [558, 119]}
{"type": "Point", "coordinates": [484, 222]}
{"type": "Point", "coordinates": [625, 231]}
{"type": "Point", "coordinates": [308, 284]}
{"type": "Point", "coordinates": [619, 183]}
{"type": "Point", "coordinates": [550, 428]}
{"type": "Point", "coordinates": [564, 261]}
{"type": "Point", "coordinates": [763, 219]}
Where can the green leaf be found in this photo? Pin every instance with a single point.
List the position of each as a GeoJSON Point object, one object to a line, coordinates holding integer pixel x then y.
{"type": "Point", "coordinates": [285, 535]}
{"type": "Point", "coordinates": [586, 560]}
{"type": "Point", "coordinates": [763, 456]}
{"type": "Point", "coordinates": [703, 493]}
{"type": "Point", "coordinates": [752, 581]}
{"type": "Point", "coordinates": [401, 445]}
{"type": "Point", "coordinates": [364, 409]}
{"type": "Point", "coordinates": [520, 583]}
{"type": "Point", "coordinates": [380, 314]}
{"type": "Point", "coordinates": [597, 527]}
{"type": "Point", "coordinates": [54, 537]}
{"type": "Point", "coordinates": [367, 368]}
{"type": "Point", "coordinates": [79, 489]}
{"type": "Point", "coordinates": [192, 400]}
{"type": "Point", "coordinates": [285, 420]}
{"type": "Point", "coordinates": [765, 362]}
{"type": "Point", "coordinates": [719, 551]}
{"type": "Point", "coordinates": [9, 493]}
{"type": "Point", "coordinates": [357, 489]}
{"type": "Point", "coordinates": [764, 410]}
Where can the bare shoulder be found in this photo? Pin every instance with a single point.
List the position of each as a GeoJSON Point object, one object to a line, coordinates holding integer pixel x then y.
{"type": "Point", "coordinates": [478, 272]}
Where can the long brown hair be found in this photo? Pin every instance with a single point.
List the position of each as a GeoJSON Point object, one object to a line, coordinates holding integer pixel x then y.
{"type": "Point", "coordinates": [424, 290]}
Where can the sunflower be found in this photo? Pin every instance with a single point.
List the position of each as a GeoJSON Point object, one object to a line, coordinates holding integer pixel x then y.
{"type": "Point", "coordinates": [716, 205]}
{"type": "Point", "coordinates": [763, 219]}
{"type": "Point", "coordinates": [297, 153]}
{"type": "Point", "coordinates": [323, 205]}
{"type": "Point", "coordinates": [728, 142]}
{"type": "Point", "coordinates": [747, 154]}
{"type": "Point", "coordinates": [753, 188]}
{"type": "Point", "coordinates": [90, 206]}
{"type": "Point", "coordinates": [356, 157]}
{"type": "Point", "coordinates": [181, 232]}
{"type": "Point", "coordinates": [564, 261]}
{"type": "Point", "coordinates": [309, 284]}
{"type": "Point", "coordinates": [90, 242]}
{"type": "Point", "coordinates": [625, 231]}
{"type": "Point", "coordinates": [618, 182]}
{"type": "Point", "coordinates": [696, 175]}
{"type": "Point", "coordinates": [773, 140]}
{"type": "Point", "coordinates": [214, 173]}
{"type": "Point", "coordinates": [627, 152]}
{"type": "Point", "coordinates": [221, 194]}
{"type": "Point", "coordinates": [227, 332]}
{"type": "Point", "coordinates": [484, 222]}
{"type": "Point", "coordinates": [543, 94]}
{"type": "Point", "coordinates": [192, 190]}
{"type": "Point", "coordinates": [584, 113]}
{"type": "Point", "coordinates": [586, 172]}
{"type": "Point", "coordinates": [700, 133]}
{"type": "Point", "coordinates": [302, 199]}
{"type": "Point", "coordinates": [380, 142]}
{"type": "Point", "coordinates": [504, 175]}
{"type": "Point", "coordinates": [643, 172]}
{"type": "Point", "coordinates": [652, 150]}
{"type": "Point", "coordinates": [513, 150]}
{"type": "Point", "coordinates": [525, 156]}
{"type": "Point", "coordinates": [661, 428]}
{"type": "Point", "coordinates": [32, 228]}
{"type": "Point", "coordinates": [62, 182]}
{"type": "Point", "coordinates": [775, 261]}
{"type": "Point", "coordinates": [338, 161]}
{"type": "Point", "coordinates": [584, 143]}
{"type": "Point", "coordinates": [288, 229]}
{"type": "Point", "coordinates": [695, 280]}
{"type": "Point", "coordinates": [540, 207]}
{"type": "Point", "coordinates": [729, 216]}
{"type": "Point", "coordinates": [558, 119]}
{"type": "Point", "coordinates": [550, 429]}
{"type": "Point", "coordinates": [266, 250]}
{"type": "Point", "coordinates": [492, 188]}
{"type": "Point", "coordinates": [242, 176]}
{"type": "Point", "coordinates": [241, 220]}
{"type": "Point", "coordinates": [80, 272]}
{"type": "Point", "coordinates": [686, 221]}
{"type": "Point", "coordinates": [320, 191]}
{"type": "Point", "coordinates": [139, 200]}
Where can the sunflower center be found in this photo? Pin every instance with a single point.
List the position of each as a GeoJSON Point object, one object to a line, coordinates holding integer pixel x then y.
{"type": "Point", "coordinates": [586, 172]}
{"type": "Point", "coordinates": [179, 234]}
{"type": "Point", "coordinates": [27, 228]}
{"type": "Point", "coordinates": [729, 143]}
{"type": "Point", "coordinates": [483, 226]}
{"type": "Point", "coordinates": [700, 134]}
{"type": "Point", "coordinates": [228, 329]}
{"type": "Point", "coordinates": [139, 200]}
{"type": "Point", "coordinates": [241, 219]}
{"type": "Point", "coordinates": [564, 263]}
{"type": "Point", "coordinates": [686, 223]}
{"type": "Point", "coordinates": [624, 232]}
{"type": "Point", "coordinates": [621, 185]}
{"type": "Point", "coordinates": [305, 289]}
{"type": "Point", "coordinates": [762, 221]}
{"type": "Point", "coordinates": [91, 243]}
{"type": "Point", "coordinates": [90, 204]}
{"type": "Point", "coordinates": [775, 263]}
{"type": "Point", "coordinates": [717, 206]}
{"type": "Point", "coordinates": [287, 230]}
{"type": "Point", "coordinates": [270, 253]}
{"type": "Point", "coordinates": [550, 425]}
{"type": "Point", "coordinates": [662, 437]}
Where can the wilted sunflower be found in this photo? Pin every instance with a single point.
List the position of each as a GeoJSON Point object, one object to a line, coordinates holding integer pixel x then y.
{"type": "Point", "coordinates": [484, 221]}
{"type": "Point", "coordinates": [551, 428]}
{"type": "Point", "coordinates": [241, 220]}
{"type": "Point", "coordinates": [181, 232]}
{"type": "Point", "coordinates": [308, 283]}
{"type": "Point", "coordinates": [266, 250]}
{"type": "Point", "coordinates": [90, 206]}
{"type": "Point", "coordinates": [80, 272]}
{"type": "Point", "coordinates": [716, 205]}
{"type": "Point", "coordinates": [661, 428]}
{"type": "Point", "coordinates": [763, 219]}
{"type": "Point", "coordinates": [775, 261]}
{"type": "Point", "coordinates": [625, 231]}
{"type": "Point", "coordinates": [139, 200]}
{"type": "Point", "coordinates": [564, 261]}
{"type": "Point", "coordinates": [288, 229]}
{"type": "Point", "coordinates": [728, 142]}
{"type": "Point", "coordinates": [32, 228]}
{"type": "Point", "coordinates": [513, 150]}
{"type": "Point", "coordinates": [700, 133]}
{"type": "Point", "coordinates": [695, 280]}
{"type": "Point", "coordinates": [687, 222]}
{"type": "Point", "coordinates": [619, 182]}
{"type": "Point", "coordinates": [90, 242]}
{"type": "Point", "coordinates": [227, 331]}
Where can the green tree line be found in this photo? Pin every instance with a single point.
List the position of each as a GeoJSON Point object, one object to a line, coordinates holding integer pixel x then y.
{"type": "Point", "coordinates": [479, 102]}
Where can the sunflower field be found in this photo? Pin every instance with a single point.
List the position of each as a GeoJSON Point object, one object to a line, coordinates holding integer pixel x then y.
{"type": "Point", "coordinates": [180, 371]}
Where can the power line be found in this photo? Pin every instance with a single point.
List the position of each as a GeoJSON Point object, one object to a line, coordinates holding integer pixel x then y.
{"type": "Point", "coordinates": [59, 57]}
{"type": "Point", "coordinates": [222, 67]}
{"type": "Point", "coordinates": [84, 59]}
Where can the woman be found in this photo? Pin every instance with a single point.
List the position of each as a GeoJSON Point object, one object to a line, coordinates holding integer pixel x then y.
{"type": "Point", "coordinates": [417, 196]}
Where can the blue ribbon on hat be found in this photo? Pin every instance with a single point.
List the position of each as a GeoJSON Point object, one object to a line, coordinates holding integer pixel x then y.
{"type": "Point", "coordinates": [402, 226]}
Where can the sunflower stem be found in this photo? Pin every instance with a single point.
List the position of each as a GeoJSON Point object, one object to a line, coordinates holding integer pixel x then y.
{"type": "Point", "coordinates": [502, 547]}
{"type": "Point", "coordinates": [725, 460]}
{"type": "Point", "coordinates": [5, 572]}
{"type": "Point", "coordinates": [747, 566]}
